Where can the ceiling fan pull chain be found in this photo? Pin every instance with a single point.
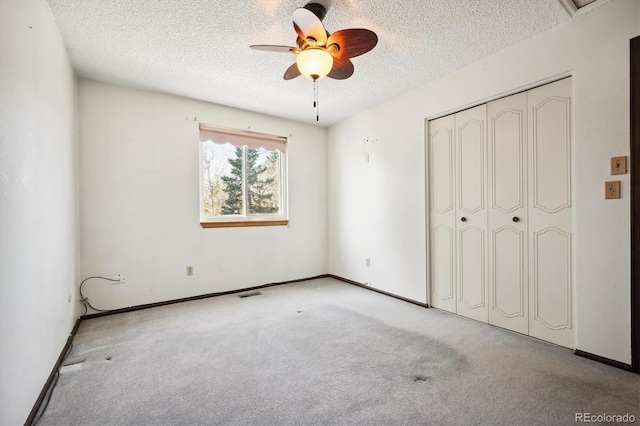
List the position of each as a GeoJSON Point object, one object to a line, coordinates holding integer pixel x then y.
{"type": "Point", "coordinates": [317, 102]}
{"type": "Point", "coordinates": [315, 97]}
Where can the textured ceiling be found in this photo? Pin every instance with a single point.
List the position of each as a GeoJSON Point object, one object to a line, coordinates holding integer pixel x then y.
{"type": "Point", "coordinates": [200, 48]}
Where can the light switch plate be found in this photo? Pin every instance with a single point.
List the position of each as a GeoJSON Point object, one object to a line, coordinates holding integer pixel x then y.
{"type": "Point", "coordinates": [619, 165]}
{"type": "Point", "coordinates": [612, 190]}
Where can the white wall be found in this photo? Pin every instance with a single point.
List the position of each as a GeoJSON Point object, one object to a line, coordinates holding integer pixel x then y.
{"type": "Point", "coordinates": [38, 208]}
{"type": "Point", "coordinates": [377, 210]}
{"type": "Point", "coordinates": [139, 198]}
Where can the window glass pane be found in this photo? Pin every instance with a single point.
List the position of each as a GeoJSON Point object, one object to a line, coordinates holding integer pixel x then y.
{"type": "Point", "coordinates": [263, 181]}
{"type": "Point", "coordinates": [222, 174]}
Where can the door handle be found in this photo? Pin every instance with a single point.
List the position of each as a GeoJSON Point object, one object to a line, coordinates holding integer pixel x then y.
{"type": "Point", "coordinates": [516, 219]}
{"type": "Point", "coordinates": [463, 219]}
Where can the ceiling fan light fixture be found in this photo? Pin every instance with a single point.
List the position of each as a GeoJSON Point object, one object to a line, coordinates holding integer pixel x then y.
{"type": "Point", "coordinates": [319, 53]}
{"type": "Point", "coordinates": [314, 63]}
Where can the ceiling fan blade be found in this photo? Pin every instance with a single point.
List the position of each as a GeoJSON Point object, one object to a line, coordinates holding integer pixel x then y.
{"type": "Point", "coordinates": [353, 42]}
{"type": "Point", "coordinates": [292, 72]}
{"type": "Point", "coordinates": [307, 24]}
{"type": "Point", "coordinates": [342, 69]}
{"type": "Point", "coordinates": [273, 48]}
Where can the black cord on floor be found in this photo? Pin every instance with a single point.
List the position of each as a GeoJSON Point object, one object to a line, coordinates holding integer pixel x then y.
{"type": "Point", "coordinates": [51, 388]}
{"type": "Point", "coordinates": [85, 300]}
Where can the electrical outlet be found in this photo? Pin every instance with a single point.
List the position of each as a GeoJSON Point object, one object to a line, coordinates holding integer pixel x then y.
{"type": "Point", "coordinates": [120, 279]}
{"type": "Point", "coordinates": [367, 262]}
{"type": "Point", "coordinates": [612, 190]}
{"type": "Point", "coordinates": [189, 270]}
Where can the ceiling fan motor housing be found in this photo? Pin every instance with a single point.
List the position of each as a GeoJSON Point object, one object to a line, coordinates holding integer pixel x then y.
{"type": "Point", "coordinates": [318, 9]}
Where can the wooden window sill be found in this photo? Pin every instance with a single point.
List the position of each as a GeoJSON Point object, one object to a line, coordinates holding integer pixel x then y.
{"type": "Point", "coordinates": [243, 224]}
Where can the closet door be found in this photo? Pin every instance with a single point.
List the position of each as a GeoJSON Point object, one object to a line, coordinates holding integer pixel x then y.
{"type": "Point", "coordinates": [550, 213]}
{"type": "Point", "coordinates": [508, 261]}
{"type": "Point", "coordinates": [442, 213]}
{"type": "Point", "coordinates": [471, 220]}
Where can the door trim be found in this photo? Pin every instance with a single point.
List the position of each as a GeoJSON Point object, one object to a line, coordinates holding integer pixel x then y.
{"type": "Point", "coordinates": [634, 167]}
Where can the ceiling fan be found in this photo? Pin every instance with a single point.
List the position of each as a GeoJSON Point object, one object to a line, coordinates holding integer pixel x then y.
{"type": "Point", "coordinates": [319, 53]}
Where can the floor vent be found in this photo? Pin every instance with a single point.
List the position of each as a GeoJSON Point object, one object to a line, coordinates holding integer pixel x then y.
{"type": "Point", "coordinates": [255, 293]}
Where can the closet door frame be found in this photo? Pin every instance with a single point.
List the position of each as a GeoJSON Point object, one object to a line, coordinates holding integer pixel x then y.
{"type": "Point", "coordinates": [522, 89]}
{"type": "Point", "coordinates": [635, 203]}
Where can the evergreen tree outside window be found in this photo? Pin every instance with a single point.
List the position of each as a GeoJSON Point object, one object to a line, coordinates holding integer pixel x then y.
{"type": "Point", "coordinates": [243, 178]}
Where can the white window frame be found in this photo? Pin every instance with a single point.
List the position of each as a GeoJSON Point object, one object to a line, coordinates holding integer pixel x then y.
{"type": "Point", "coordinates": [281, 219]}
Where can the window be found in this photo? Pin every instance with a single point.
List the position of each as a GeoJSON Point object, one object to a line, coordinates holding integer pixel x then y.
{"type": "Point", "coordinates": [243, 177]}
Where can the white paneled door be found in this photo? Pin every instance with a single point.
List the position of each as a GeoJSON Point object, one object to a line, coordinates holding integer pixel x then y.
{"type": "Point", "coordinates": [507, 194]}
{"type": "Point", "coordinates": [471, 213]}
{"type": "Point", "coordinates": [442, 213]}
{"type": "Point", "coordinates": [500, 215]}
{"type": "Point", "coordinates": [550, 213]}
